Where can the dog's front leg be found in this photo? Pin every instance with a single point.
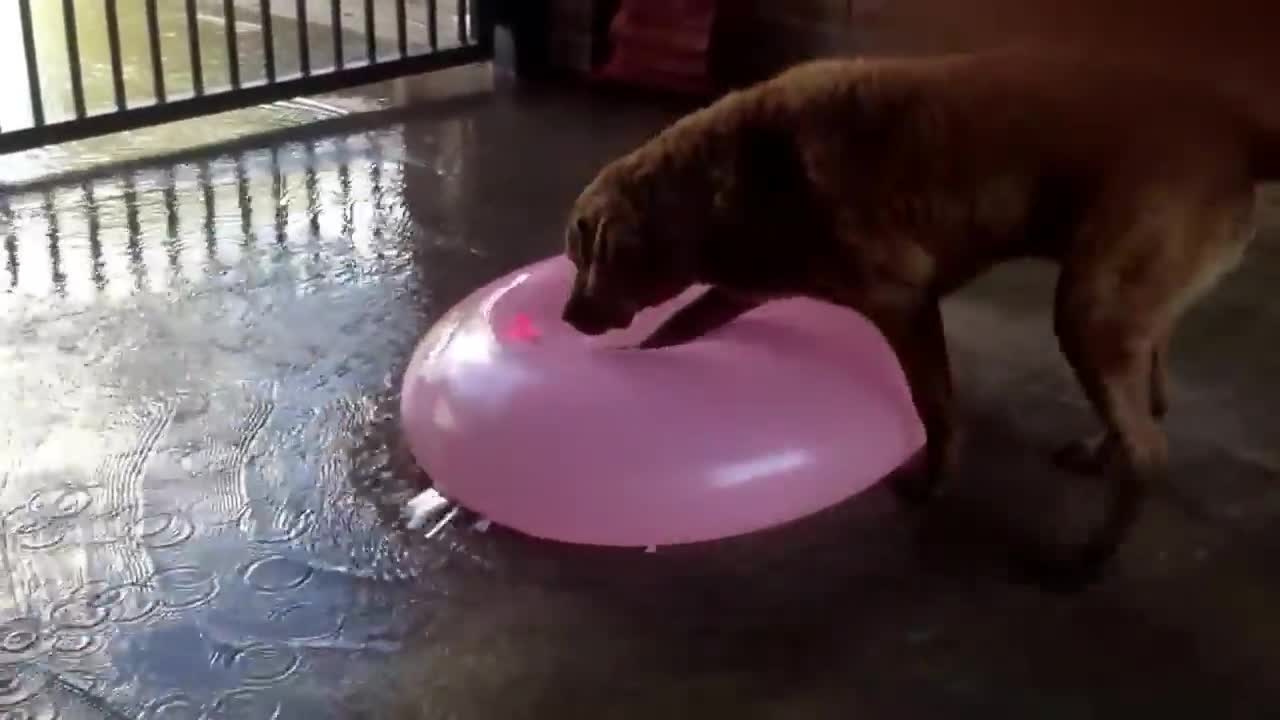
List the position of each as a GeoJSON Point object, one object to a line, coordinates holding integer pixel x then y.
{"type": "Point", "coordinates": [913, 326]}
{"type": "Point", "coordinates": [712, 310]}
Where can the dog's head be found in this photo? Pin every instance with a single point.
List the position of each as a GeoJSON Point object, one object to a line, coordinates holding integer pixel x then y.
{"type": "Point", "coordinates": [625, 262]}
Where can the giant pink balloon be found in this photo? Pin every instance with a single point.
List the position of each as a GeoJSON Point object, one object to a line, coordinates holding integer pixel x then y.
{"type": "Point", "coordinates": [790, 409]}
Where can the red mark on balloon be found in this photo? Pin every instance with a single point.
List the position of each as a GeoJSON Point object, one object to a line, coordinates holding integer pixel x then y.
{"type": "Point", "coordinates": [522, 329]}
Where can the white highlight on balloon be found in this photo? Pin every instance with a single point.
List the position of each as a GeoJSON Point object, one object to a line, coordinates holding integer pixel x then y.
{"type": "Point", "coordinates": [761, 467]}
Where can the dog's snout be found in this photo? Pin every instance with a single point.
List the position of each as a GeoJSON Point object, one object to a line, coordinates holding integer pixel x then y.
{"type": "Point", "coordinates": [579, 315]}
{"type": "Point", "coordinates": [592, 318]}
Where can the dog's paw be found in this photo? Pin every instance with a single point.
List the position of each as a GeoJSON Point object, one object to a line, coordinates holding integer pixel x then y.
{"type": "Point", "coordinates": [926, 475]}
{"type": "Point", "coordinates": [915, 487]}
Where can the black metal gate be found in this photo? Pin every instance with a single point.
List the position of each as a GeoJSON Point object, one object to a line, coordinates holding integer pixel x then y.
{"type": "Point", "coordinates": [208, 56]}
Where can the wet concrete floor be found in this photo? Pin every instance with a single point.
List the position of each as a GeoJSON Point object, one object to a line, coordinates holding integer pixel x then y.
{"type": "Point", "coordinates": [200, 477]}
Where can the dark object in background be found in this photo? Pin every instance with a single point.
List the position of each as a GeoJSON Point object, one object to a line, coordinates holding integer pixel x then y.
{"type": "Point", "coordinates": [663, 45]}
{"type": "Point", "coordinates": [538, 38]}
{"type": "Point", "coordinates": [579, 34]}
{"type": "Point", "coordinates": [520, 37]}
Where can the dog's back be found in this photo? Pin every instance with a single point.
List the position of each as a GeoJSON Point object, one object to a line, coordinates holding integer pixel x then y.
{"type": "Point", "coordinates": [981, 156]}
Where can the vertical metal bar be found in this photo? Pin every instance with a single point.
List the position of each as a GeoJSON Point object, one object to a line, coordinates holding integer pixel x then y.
{"type": "Point", "coordinates": [304, 39]}
{"type": "Point", "coordinates": [268, 41]}
{"type": "Point", "coordinates": [336, 19]}
{"type": "Point", "coordinates": [73, 56]}
{"type": "Point", "coordinates": [370, 32]}
{"type": "Point", "coordinates": [464, 13]}
{"type": "Point", "coordinates": [233, 47]}
{"type": "Point", "coordinates": [433, 24]}
{"type": "Point", "coordinates": [402, 29]}
{"type": "Point", "coordinates": [193, 44]}
{"type": "Point", "coordinates": [33, 69]}
{"type": "Point", "coordinates": [117, 65]}
{"type": "Point", "coordinates": [157, 55]}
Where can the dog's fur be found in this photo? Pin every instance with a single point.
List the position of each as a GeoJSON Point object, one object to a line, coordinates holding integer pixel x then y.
{"type": "Point", "coordinates": [883, 185]}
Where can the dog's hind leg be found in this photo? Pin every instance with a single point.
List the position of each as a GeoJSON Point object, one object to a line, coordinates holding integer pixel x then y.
{"type": "Point", "coordinates": [1119, 298]}
{"type": "Point", "coordinates": [1090, 456]}
{"type": "Point", "coordinates": [1109, 344]}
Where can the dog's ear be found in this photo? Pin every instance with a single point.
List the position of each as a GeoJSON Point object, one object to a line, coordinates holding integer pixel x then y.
{"type": "Point", "coordinates": [616, 242]}
{"type": "Point", "coordinates": [584, 231]}
{"type": "Point", "coordinates": [579, 234]}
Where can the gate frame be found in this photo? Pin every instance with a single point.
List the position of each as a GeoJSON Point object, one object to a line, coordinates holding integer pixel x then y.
{"type": "Point", "coordinates": [84, 125]}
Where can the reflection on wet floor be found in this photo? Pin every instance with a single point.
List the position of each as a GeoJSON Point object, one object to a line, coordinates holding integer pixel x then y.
{"type": "Point", "coordinates": [286, 209]}
{"type": "Point", "coordinates": [195, 362]}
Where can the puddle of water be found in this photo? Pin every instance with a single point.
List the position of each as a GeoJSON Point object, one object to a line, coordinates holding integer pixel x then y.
{"type": "Point", "coordinates": [198, 365]}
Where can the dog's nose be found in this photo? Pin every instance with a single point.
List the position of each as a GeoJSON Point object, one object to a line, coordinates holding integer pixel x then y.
{"type": "Point", "coordinates": [586, 318]}
{"type": "Point", "coordinates": [585, 323]}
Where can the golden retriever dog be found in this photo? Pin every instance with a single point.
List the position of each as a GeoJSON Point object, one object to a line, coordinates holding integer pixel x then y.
{"type": "Point", "coordinates": [884, 185]}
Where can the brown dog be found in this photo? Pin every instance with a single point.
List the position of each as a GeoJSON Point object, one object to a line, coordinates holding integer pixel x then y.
{"type": "Point", "coordinates": [885, 185]}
